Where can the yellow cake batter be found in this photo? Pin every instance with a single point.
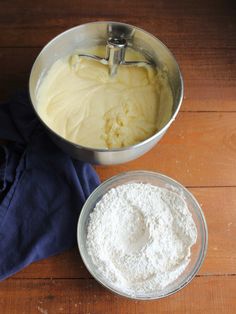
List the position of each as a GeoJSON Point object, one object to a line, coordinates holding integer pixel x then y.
{"type": "Point", "coordinates": [82, 103]}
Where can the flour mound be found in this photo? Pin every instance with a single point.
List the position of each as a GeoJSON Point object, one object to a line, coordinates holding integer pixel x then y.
{"type": "Point", "coordinates": [140, 236]}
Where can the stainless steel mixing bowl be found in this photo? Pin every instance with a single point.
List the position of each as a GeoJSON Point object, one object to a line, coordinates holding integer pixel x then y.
{"type": "Point", "coordinates": [90, 35]}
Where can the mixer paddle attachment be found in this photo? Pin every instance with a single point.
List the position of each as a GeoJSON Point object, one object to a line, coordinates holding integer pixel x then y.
{"type": "Point", "coordinates": [115, 56]}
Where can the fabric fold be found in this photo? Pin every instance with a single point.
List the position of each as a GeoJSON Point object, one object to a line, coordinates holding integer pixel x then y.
{"type": "Point", "coordinates": [42, 190]}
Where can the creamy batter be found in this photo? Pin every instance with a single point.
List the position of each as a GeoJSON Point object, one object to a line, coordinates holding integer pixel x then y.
{"type": "Point", "coordinates": [82, 103]}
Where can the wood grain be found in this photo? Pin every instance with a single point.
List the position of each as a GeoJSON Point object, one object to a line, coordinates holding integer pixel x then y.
{"type": "Point", "coordinates": [199, 149]}
{"type": "Point", "coordinates": [209, 76]}
{"type": "Point", "coordinates": [179, 24]}
{"type": "Point", "coordinates": [211, 295]}
{"type": "Point", "coordinates": [221, 256]}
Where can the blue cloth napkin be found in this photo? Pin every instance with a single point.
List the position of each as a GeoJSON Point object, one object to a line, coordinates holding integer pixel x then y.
{"type": "Point", "coordinates": [42, 190]}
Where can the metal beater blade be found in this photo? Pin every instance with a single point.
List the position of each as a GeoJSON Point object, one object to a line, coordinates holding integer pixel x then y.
{"type": "Point", "coordinates": [115, 56]}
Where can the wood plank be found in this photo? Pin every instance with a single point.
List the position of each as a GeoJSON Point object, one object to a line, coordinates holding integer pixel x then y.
{"type": "Point", "coordinates": [140, 9]}
{"type": "Point", "coordinates": [209, 79]}
{"type": "Point", "coordinates": [179, 24]}
{"type": "Point", "coordinates": [199, 149]}
{"type": "Point", "coordinates": [209, 76]}
{"type": "Point", "coordinates": [15, 70]}
{"type": "Point", "coordinates": [210, 294]}
{"type": "Point", "coordinates": [221, 256]}
{"type": "Point", "coordinates": [219, 206]}
{"type": "Point", "coordinates": [194, 31]}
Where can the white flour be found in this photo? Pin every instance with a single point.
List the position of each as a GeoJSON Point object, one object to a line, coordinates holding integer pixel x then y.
{"type": "Point", "coordinates": [139, 237]}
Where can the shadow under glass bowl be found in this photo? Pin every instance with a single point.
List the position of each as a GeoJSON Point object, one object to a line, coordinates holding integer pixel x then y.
{"type": "Point", "coordinates": [198, 250]}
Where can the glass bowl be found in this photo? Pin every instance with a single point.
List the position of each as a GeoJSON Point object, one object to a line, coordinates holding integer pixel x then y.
{"type": "Point", "coordinates": [198, 250]}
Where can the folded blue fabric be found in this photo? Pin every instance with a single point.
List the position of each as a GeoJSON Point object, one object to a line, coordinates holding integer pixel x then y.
{"type": "Point", "coordinates": [42, 190]}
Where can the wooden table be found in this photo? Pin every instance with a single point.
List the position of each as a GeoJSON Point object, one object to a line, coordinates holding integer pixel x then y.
{"type": "Point", "coordinates": [199, 150]}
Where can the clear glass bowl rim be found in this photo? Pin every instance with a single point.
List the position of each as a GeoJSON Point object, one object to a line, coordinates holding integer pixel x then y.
{"type": "Point", "coordinates": [132, 174]}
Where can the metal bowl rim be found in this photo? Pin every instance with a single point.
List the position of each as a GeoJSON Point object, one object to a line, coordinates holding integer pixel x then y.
{"type": "Point", "coordinates": [126, 148]}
